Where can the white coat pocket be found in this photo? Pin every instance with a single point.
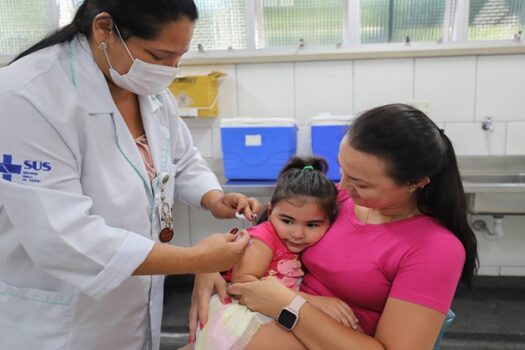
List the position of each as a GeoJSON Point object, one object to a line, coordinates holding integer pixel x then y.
{"type": "Point", "coordinates": [33, 318]}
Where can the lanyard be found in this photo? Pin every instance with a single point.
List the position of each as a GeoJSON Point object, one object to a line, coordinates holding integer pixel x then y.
{"type": "Point", "coordinates": [71, 67]}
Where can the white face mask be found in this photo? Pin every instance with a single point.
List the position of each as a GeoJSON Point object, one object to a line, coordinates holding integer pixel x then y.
{"type": "Point", "coordinates": [143, 78]}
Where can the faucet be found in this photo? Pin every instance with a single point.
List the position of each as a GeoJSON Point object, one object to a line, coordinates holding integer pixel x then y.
{"type": "Point", "coordinates": [497, 230]}
{"type": "Point", "coordinates": [488, 124]}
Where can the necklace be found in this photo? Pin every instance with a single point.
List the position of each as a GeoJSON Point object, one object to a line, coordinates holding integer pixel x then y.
{"type": "Point", "coordinates": [391, 218]}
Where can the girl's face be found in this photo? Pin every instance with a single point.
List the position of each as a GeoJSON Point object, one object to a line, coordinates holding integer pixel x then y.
{"type": "Point", "coordinates": [365, 178]}
{"type": "Point", "coordinates": [299, 222]}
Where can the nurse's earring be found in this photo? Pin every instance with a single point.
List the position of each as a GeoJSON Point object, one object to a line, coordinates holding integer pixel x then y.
{"type": "Point", "coordinates": [103, 46]}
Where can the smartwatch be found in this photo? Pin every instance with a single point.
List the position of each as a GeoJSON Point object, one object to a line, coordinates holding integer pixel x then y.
{"type": "Point", "coordinates": [289, 315]}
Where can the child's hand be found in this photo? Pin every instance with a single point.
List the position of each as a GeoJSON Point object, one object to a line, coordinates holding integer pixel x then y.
{"type": "Point", "coordinates": [336, 309]}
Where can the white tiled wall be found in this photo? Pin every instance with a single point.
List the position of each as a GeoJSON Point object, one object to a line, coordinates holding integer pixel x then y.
{"type": "Point", "coordinates": [499, 85]}
{"type": "Point", "coordinates": [515, 138]}
{"type": "Point", "coordinates": [322, 87]}
{"type": "Point", "coordinates": [266, 90]}
{"type": "Point", "coordinates": [449, 84]}
{"type": "Point", "coordinates": [378, 82]}
{"type": "Point", "coordinates": [470, 139]}
{"type": "Point", "coordinates": [461, 91]}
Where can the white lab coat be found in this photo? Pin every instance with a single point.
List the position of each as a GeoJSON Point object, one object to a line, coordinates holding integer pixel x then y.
{"type": "Point", "coordinates": [78, 213]}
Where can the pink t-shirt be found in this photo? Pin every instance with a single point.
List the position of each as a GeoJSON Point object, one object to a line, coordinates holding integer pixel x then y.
{"type": "Point", "coordinates": [285, 265]}
{"type": "Point", "coordinates": [415, 260]}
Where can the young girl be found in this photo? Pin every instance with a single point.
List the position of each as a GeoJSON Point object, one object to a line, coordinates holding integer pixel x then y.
{"type": "Point", "coordinates": [302, 207]}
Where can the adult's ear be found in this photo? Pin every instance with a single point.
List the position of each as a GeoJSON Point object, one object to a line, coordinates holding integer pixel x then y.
{"type": "Point", "coordinates": [102, 28]}
{"type": "Point", "coordinates": [421, 183]}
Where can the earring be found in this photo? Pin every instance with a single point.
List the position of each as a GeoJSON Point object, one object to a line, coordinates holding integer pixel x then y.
{"type": "Point", "coordinates": [412, 189]}
{"type": "Point", "coordinates": [103, 46]}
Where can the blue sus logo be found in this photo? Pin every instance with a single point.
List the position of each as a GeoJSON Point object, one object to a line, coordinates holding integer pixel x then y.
{"type": "Point", "coordinates": [29, 170]}
{"type": "Point", "coordinates": [8, 168]}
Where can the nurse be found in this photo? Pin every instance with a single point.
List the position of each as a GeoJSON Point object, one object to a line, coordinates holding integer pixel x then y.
{"type": "Point", "coordinates": [92, 153]}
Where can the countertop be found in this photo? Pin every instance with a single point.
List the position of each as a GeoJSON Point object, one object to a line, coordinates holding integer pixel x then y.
{"type": "Point", "coordinates": [469, 165]}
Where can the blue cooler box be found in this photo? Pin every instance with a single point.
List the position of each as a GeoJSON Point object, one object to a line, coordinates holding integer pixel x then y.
{"type": "Point", "coordinates": [257, 148]}
{"type": "Point", "coordinates": [326, 135]}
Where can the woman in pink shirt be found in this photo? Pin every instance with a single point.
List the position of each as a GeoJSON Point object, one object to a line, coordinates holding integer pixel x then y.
{"type": "Point", "coordinates": [396, 252]}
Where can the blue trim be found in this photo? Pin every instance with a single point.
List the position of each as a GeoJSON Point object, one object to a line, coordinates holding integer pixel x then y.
{"type": "Point", "coordinates": [71, 68]}
{"type": "Point", "coordinates": [147, 184]}
{"type": "Point", "coordinates": [166, 155]}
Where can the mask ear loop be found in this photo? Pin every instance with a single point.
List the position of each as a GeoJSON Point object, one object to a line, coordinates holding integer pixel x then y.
{"type": "Point", "coordinates": [124, 43]}
{"type": "Point", "coordinates": [103, 46]}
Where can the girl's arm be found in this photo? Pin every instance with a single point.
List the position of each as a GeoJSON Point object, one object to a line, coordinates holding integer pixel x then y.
{"type": "Point", "coordinates": [335, 308]}
{"type": "Point", "coordinates": [254, 264]}
{"type": "Point", "coordinates": [402, 326]}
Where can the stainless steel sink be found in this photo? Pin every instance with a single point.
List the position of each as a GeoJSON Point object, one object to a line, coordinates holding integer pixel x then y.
{"type": "Point", "coordinates": [496, 203]}
{"type": "Point", "coordinates": [495, 178]}
{"type": "Point", "coordinates": [494, 185]}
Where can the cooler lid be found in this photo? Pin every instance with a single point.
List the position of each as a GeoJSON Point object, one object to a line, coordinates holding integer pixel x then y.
{"type": "Point", "coordinates": [256, 122]}
{"type": "Point", "coordinates": [331, 120]}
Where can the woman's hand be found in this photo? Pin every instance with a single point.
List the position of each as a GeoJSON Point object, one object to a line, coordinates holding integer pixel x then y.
{"type": "Point", "coordinates": [225, 205]}
{"type": "Point", "coordinates": [204, 286]}
{"type": "Point", "coordinates": [267, 296]}
{"type": "Point", "coordinates": [336, 309]}
{"type": "Point", "coordinates": [220, 251]}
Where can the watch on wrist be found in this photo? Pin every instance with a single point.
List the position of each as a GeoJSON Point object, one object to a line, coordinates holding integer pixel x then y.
{"type": "Point", "coordinates": [289, 315]}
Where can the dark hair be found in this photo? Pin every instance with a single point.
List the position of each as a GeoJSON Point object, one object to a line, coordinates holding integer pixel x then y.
{"type": "Point", "coordinates": [305, 177]}
{"type": "Point", "coordinates": [139, 18]}
{"type": "Point", "coordinates": [414, 147]}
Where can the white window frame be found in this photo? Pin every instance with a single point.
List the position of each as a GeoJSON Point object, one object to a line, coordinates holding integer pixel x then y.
{"type": "Point", "coordinates": [250, 20]}
{"type": "Point", "coordinates": [461, 18]}
{"type": "Point", "coordinates": [454, 43]}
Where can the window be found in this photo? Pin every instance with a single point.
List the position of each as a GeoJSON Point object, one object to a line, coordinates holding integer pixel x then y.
{"type": "Point", "coordinates": [268, 24]}
{"type": "Point", "coordinates": [66, 11]}
{"type": "Point", "coordinates": [283, 23]}
{"type": "Point", "coordinates": [22, 23]}
{"type": "Point", "coordinates": [221, 25]}
{"type": "Point", "coordinates": [495, 19]}
{"type": "Point", "coordinates": [384, 21]}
